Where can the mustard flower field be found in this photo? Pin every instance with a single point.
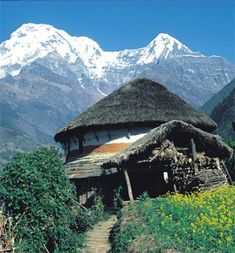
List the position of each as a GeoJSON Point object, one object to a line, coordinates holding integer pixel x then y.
{"type": "Point", "coordinates": [201, 222]}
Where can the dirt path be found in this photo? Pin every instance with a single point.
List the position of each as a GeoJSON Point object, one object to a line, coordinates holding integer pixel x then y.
{"type": "Point", "coordinates": [98, 236]}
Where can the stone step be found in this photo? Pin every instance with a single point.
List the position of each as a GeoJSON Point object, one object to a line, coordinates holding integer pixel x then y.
{"type": "Point", "coordinates": [98, 237]}
{"type": "Point", "coordinates": [94, 238]}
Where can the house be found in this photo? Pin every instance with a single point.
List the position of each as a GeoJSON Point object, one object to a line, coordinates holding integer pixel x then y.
{"type": "Point", "coordinates": [175, 156]}
{"type": "Point", "coordinates": [114, 123]}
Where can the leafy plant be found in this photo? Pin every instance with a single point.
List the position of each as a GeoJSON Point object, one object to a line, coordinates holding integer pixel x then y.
{"type": "Point", "coordinates": [231, 164]}
{"type": "Point", "coordinates": [97, 209]}
{"type": "Point", "coordinates": [143, 196]}
{"type": "Point", "coordinates": [117, 199]}
{"type": "Point", "coordinates": [231, 143]}
{"type": "Point", "coordinates": [42, 202]}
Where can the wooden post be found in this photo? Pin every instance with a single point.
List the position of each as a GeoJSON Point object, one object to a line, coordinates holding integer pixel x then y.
{"type": "Point", "coordinates": [230, 181]}
{"type": "Point", "coordinates": [96, 136]}
{"type": "Point", "coordinates": [80, 148]}
{"type": "Point", "coordinates": [175, 189]}
{"type": "Point", "coordinates": [194, 152]}
{"type": "Point", "coordinates": [128, 183]}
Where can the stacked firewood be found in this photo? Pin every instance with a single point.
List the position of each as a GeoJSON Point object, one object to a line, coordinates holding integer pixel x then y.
{"type": "Point", "coordinates": [212, 172]}
{"type": "Point", "coordinates": [185, 173]}
{"type": "Point", "coordinates": [6, 234]}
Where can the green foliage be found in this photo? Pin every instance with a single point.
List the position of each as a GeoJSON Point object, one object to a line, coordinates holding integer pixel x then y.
{"type": "Point", "coordinates": [231, 143]}
{"type": "Point", "coordinates": [132, 231]}
{"type": "Point", "coordinates": [143, 196]}
{"type": "Point", "coordinates": [41, 200]}
{"type": "Point", "coordinates": [97, 209]}
{"type": "Point", "coordinates": [117, 199]}
{"type": "Point", "coordinates": [231, 164]}
{"type": "Point", "coordinates": [201, 222]}
{"type": "Point", "coordinates": [84, 220]}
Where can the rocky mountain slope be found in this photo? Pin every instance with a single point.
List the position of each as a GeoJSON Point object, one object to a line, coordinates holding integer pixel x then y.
{"type": "Point", "coordinates": [48, 77]}
{"type": "Point", "coordinates": [34, 105]}
{"type": "Point", "coordinates": [224, 115]}
{"type": "Point", "coordinates": [218, 98]}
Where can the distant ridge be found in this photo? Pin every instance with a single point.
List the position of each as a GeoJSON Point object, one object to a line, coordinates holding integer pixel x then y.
{"type": "Point", "coordinates": [218, 98]}
{"type": "Point", "coordinates": [224, 115]}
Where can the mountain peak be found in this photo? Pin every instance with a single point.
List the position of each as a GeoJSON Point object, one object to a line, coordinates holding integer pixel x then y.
{"type": "Point", "coordinates": [163, 47]}
{"type": "Point", "coordinates": [48, 31]}
{"type": "Point", "coordinates": [28, 28]}
{"type": "Point", "coordinates": [168, 44]}
{"type": "Point", "coordinates": [31, 42]}
{"type": "Point", "coordinates": [165, 36]}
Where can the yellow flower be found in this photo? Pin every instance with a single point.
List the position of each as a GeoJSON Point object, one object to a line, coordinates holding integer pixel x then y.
{"type": "Point", "coordinates": [229, 238]}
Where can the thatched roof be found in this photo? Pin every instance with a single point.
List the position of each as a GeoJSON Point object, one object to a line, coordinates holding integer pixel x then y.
{"type": "Point", "coordinates": [180, 133]}
{"type": "Point", "coordinates": [140, 102]}
{"type": "Point", "coordinates": [87, 166]}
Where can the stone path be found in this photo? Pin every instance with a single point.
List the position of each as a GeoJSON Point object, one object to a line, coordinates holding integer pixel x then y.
{"type": "Point", "coordinates": [98, 236]}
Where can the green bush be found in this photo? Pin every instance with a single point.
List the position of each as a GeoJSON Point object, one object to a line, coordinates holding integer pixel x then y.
{"type": "Point", "coordinates": [143, 196]}
{"type": "Point", "coordinates": [231, 143]}
{"type": "Point", "coordinates": [41, 200]}
{"type": "Point", "coordinates": [231, 164]}
{"type": "Point", "coordinates": [117, 199]}
{"type": "Point", "coordinates": [97, 209]}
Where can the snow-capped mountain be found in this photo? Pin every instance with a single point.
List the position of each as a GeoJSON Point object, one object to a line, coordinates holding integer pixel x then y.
{"type": "Point", "coordinates": [48, 77]}
{"type": "Point", "coordinates": [32, 42]}
{"type": "Point", "coordinates": [82, 59]}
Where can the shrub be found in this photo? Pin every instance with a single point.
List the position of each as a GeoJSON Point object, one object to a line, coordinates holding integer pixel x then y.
{"type": "Point", "coordinates": [41, 200]}
{"type": "Point", "coordinates": [143, 196]}
{"type": "Point", "coordinates": [97, 209]}
{"type": "Point", "coordinates": [117, 199]}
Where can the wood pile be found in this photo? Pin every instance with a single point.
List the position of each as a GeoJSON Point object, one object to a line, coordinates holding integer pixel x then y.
{"type": "Point", "coordinates": [6, 235]}
{"type": "Point", "coordinates": [188, 172]}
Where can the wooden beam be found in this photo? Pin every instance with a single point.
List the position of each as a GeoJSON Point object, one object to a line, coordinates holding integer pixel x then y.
{"type": "Point", "coordinates": [109, 134]}
{"type": "Point", "coordinates": [96, 136]}
{"type": "Point", "coordinates": [128, 134]}
{"type": "Point", "coordinates": [194, 152]}
{"type": "Point", "coordinates": [128, 183]}
{"type": "Point", "coordinates": [80, 148]}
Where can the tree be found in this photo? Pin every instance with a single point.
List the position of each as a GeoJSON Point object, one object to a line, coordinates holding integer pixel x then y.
{"type": "Point", "coordinates": [40, 199]}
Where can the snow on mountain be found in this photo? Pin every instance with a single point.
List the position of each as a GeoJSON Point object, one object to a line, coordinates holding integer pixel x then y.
{"type": "Point", "coordinates": [31, 42]}
{"type": "Point", "coordinates": [162, 47]}
{"type": "Point", "coordinates": [80, 59]}
{"type": "Point", "coordinates": [36, 41]}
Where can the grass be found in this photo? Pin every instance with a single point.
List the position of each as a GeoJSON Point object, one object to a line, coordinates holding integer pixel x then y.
{"type": "Point", "coordinates": [201, 222]}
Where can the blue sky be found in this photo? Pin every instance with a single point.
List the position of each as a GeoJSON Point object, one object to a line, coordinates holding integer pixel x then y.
{"type": "Point", "coordinates": [206, 26]}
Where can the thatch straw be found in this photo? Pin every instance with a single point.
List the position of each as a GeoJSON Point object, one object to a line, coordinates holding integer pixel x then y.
{"type": "Point", "coordinates": [140, 102]}
{"type": "Point", "coordinates": [180, 133]}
